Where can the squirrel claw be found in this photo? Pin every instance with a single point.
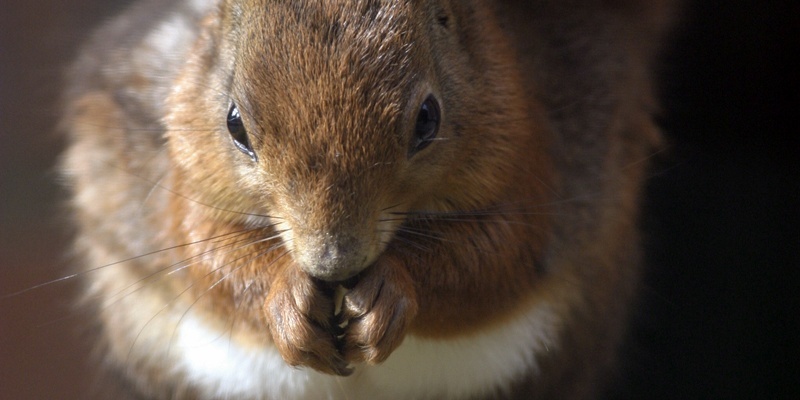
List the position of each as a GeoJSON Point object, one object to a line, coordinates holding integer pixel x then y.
{"type": "Point", "coordinates": [378, 311]}
{"type": "Point", "coordinates": [297, 311]}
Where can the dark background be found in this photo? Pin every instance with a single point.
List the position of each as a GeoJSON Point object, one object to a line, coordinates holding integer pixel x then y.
{"type": "Point", "coordinates": [719, 311]}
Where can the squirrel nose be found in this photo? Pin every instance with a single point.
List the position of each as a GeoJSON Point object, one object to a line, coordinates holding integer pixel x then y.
{"type": "Point", "coordinates": [330, 258]}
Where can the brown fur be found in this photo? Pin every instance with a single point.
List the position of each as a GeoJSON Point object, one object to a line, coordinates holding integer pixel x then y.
{"type": "Point", "coordinates": [529, 195]}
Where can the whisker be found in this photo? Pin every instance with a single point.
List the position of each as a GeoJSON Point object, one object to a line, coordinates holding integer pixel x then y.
{"type": "Point", "coordinates": [432, 239]}
{"type": "Point", "coordinates": [220, 280]}
{"type": "Point", "coordinates": [183, 264]}
{"type": "Point", "coordinates": [409, 242]}
{"type": "Point", "coordinates": [421, 233]}
{"type": "Point", "coordinates": [158, 129]}
{"type": "Point", "coordinates": [95, 269]}
{"type": "Point", "coordinates": [150, 193]}
{"type": "Point", "coordinates": [172, 191]}
{"type": "Point", "coordinates": [390, 207]}
{"type": "Point", "coordinates": [217, 282]}
{"type": "Point", "coordinates": [236, 305]}
{"type": "Point", "coordinates": [117, 297]}
{"type": "Point", "coordinates": [185, 290]}
{"type": "Point", "coordinates": [645, 159]}
{"type": "Point", "coordinates": [496, 221]}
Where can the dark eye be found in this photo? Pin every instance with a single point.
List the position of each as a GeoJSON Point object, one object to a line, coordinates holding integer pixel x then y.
{"type": "Point", "coordinates": [426, 126]}
{"type": "Point", "coordinates": [238, 133]}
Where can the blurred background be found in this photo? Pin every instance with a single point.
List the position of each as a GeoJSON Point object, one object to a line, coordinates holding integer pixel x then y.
{"type": "Point", "coordinates": [719, 311]}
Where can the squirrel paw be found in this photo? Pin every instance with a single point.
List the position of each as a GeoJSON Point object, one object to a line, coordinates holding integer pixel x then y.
{"type": "Point", "coordinates": [299, 312]}
{"type": "Point", "coordinates": [377, 312]}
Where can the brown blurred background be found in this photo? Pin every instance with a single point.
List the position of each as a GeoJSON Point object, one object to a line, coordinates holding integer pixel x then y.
{"type": "Point", "coordinates": [718, 315]}
{"type": "Point", "coordinates": [40, 354]}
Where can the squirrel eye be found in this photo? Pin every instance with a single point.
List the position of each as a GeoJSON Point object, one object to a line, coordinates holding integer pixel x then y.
{"type": "Point", "coordinates": [426, 126]}
{"type": "Point", "coordinates": [239, 133]}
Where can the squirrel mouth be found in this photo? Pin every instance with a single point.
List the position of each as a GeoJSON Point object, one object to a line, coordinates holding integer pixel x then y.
{"type": "Point", "coordinates": [337, 291]}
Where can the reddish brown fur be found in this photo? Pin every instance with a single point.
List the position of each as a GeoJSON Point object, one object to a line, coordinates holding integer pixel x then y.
{"type": "Point", "coordinates": [444, 275]}
{"type": "Point", "coordinates": [529, 197]}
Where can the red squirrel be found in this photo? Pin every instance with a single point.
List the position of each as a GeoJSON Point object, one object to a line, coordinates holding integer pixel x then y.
{"type": "Point", "coordinates": [367, 199]}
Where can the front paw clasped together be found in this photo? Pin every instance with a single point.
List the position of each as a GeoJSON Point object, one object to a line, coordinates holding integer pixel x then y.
{"type": "Point", "coordinates": [374, 318]}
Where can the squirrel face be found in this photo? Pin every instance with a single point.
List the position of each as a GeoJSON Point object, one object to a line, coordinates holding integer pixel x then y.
{"type": "Point", "coordinates": [475, 165]}
{"type": "Point", "coordinates": [335, 120]}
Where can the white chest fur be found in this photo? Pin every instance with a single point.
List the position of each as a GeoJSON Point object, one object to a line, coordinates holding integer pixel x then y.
{"type": "Point", "coordinates": [418, 369]}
